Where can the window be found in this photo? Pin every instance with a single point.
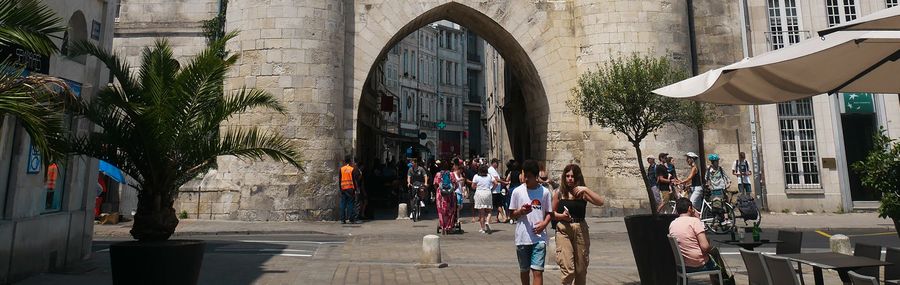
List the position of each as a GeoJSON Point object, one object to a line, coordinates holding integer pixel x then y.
{"type": "Point", "coordinates": [839, 11]}
{"type": "Point", "coordinates": [784, 23]}
{"type": "Point", "coordinates": [76, 32]}
{"type": "Point", "coordinates": [405, 62]}
{"type": "Point", "coordinates": [891, 3]}
{"type": "Point", "coordinates": [798, 144]}
{"type": "Point", "coordinates": [413, 64]}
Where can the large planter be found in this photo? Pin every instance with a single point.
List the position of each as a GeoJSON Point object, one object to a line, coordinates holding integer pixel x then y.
{"type": "Point", "coordinates": [896, 226]}
{"type": "Point", "coordinates": [650, 247]}
{"type": "Point", "coordinates": [175, 262]}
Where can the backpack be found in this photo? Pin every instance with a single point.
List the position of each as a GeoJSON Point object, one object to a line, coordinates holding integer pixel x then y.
{"type": "Point", "coordinates": [446, 184]}
{"type": "Point", "coordinates": [747, 206]}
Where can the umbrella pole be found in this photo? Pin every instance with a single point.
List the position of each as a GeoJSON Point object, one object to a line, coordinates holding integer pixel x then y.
{"type": "Point", "coordinates": [893, 57]}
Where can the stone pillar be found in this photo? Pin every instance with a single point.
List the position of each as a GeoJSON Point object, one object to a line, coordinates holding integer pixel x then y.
{"type": "Point", "coordinates": [840, 244]}
{"type": "Point", "coordinates": [431, 251]}
{"type": "Point", "coordinates": [293, 50]}
{"type": "Point", "coordinates": [402, 212]}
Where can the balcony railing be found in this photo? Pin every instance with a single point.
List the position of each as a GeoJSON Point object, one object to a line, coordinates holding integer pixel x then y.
{"type": "Point", "coordinates": [777, 40]}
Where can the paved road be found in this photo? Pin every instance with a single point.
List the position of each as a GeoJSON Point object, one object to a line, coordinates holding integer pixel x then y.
{"type": "Point", "coordinates": [387, 252]}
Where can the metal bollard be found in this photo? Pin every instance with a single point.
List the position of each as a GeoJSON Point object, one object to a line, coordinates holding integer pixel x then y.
{"type": "Point", "coordinates": [840, 244]}
{"type": "Point", "coordinates": [431, 252]}
{"type": "Point", "coordinates": [402, 213]}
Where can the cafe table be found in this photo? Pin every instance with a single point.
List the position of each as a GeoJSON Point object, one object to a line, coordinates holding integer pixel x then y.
{"type": "Point", "coordinates": [841, 263]}
{"type": "Point", "coordinates": [748, 244]}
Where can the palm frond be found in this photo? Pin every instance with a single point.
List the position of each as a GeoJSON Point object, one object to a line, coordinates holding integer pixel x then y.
{"type": "Point", "coordinates": [37, 102]}
{"type": "Point", "coordinates": [251, 143]}
{"type": "Point", "coordinates": [117, 66]}
{"type": "Point", "coordinates": [29, 24]}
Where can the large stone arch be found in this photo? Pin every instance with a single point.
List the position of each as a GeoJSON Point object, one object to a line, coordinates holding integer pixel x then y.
{"type": "Point", "coordinates": [535, 39]}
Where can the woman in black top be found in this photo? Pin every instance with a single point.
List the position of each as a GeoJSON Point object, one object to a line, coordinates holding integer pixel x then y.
{"type": "Point", "coordinates": [572, 240]}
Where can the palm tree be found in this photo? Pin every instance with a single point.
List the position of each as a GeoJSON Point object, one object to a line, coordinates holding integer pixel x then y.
{"type": "Point", "coordinates": [33, 99]}
{"type": "Point", "coordinates": [161, 126]}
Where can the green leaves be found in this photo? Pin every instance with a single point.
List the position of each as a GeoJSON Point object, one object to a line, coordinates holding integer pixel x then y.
{"type": "Point", "coordinates": [161, 125]}
{"type": "Point", "coordinates": [29, 24]}
{"type": "Point", "coordinates": [619, 96]}
{"type": "Point", "coordinates": [880, 170]}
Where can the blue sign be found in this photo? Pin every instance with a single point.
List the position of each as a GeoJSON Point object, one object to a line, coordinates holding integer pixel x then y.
{"type": "Point", "coordinates": [34, 161]}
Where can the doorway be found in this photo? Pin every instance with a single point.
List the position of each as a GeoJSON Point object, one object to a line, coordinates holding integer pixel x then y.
{"type": "Point", "coordinates": [858, 131]}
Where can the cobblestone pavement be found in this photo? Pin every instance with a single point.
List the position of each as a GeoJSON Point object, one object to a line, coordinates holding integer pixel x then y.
{"type": "Point", "coordinates": [378, 252]}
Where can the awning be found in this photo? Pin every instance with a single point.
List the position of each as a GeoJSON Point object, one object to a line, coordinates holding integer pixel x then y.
{"type": "Point", "coordinates": [112, 172]}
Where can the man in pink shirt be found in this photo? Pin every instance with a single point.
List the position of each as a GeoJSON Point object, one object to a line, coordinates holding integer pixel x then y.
{"type": "Point", "coordinates": [692, 242]}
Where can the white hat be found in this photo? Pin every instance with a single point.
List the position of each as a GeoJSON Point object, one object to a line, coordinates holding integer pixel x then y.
{"type": "Point", "coordinates": [691, 154]}
{"type": "Point", "coordinates": [651, 157]}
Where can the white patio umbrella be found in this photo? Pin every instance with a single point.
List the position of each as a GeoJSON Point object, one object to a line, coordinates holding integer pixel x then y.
{"type": "Point", "coordinates": [882, 20]}
{"type": "Point", "coordinates": [847, 61]}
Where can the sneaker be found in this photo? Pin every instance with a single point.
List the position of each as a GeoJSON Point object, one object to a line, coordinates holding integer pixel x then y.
{"type": "Point", "coordinates": [421, 204]}
{"type": "Point", "coordinates": [487, 227]}
{"type": "Point", "coordinates": [343, 222]}
{"type": "Point", "coordinates": [410, 215]}
{"type": "Point", "coordinates": [482, 231]}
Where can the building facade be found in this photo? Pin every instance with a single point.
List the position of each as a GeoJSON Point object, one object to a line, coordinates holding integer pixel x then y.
{"type": "Point", "coordinates": [47, 211]}
{"type": "Point", "coordinates": [807, 146]}
{"type": "Point", "coordinates": [318, 58]}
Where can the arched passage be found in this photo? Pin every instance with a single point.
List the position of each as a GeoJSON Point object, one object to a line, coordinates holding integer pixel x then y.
{"type": "Point", "coordinates": [526, 110]}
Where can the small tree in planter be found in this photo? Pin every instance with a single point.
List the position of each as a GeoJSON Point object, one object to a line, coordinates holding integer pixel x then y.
{"type": "Point", "coordinates": [161, 126]}
{"type": "Point", "coordinates": [880, 170]}
{"type": "Point", "coordinates": [618, 96]}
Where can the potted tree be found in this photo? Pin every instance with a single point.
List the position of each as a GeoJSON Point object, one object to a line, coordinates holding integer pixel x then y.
{"type": "Point", "coordinates": [161, 126]}
{"type": "Point", "coordinates": [618, 96]}
{"type": "Point", "coordinates": [880, 170]}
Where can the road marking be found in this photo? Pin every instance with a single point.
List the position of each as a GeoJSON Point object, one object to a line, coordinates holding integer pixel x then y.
{"type": "Point", "coordinates": [823, 234]}
{"type": "Point", "coordinates": [260, 250]}
{"type": "Point", "coordinates": [292, 241]}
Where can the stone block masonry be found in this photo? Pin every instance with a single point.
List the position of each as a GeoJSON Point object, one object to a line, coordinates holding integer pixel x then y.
{"type": "Point", "coordinates": [315, 56]}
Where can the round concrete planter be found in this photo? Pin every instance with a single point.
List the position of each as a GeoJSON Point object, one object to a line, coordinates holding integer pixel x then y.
{"type": "Point", "coordinates": [158, 262]}
{"type": "Point", "coordinates": [650, 247]}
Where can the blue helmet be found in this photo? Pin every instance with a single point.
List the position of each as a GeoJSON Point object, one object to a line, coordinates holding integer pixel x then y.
{"type": "Point", "coordinates": [713, 157]}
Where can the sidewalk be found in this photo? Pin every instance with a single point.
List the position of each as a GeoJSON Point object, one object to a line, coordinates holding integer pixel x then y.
{"type": "Point", "coordinates": [191, 227]}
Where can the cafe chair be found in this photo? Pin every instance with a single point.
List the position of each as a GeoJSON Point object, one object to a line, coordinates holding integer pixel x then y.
{"type": "Point", "coordinates": [791, 242]}
{"type": "Point", "coordinates": [892, 272]}
{"type": "Point", "coordinates": [857, 279]}
{"type": "Point", "coordinates": [681, 272]}
{"type": "Point", "coordinates": [870, 251]}
{"type": "Point", "coordinates": [781, 271]}
{"type": "Point", "coordinates": [756, 269]}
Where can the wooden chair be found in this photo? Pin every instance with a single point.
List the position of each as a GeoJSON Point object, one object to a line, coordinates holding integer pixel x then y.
{"type": "Point", "coordinates": [870, 251]}
{"type": "Point", "coordinates": [858, 279]}
{"type": "Point", "coordinates": [892, 272]}
{"type": "Point", "coordinates": [757, 273]}
{"type": "Point", "coordinates": [791, 242]}
{"type": "Point", "coordinates": [681, 272]}
{"type": "Point", "coordinates": [781, 271]}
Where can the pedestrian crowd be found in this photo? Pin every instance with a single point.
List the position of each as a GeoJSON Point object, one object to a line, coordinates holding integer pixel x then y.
{"type": "Point", "coordinates": [526, 196]}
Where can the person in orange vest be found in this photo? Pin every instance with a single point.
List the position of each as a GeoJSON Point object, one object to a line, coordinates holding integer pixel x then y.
{"type": "Point", "coordinates": [52, 173]}
{"type": "Point", "coordinates": [348, 185]}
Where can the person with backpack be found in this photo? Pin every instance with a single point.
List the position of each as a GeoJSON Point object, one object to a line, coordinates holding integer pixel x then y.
{"type": "Point", "coordinates": [741, 169]}
{"type": "Point", "coordinates": [717, 181]}
{"type": "Point", "coordinates": [445, 197]}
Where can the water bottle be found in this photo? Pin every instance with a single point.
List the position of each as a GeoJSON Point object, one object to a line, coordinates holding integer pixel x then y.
{"type": "Point", "coordinates": [756, 231]}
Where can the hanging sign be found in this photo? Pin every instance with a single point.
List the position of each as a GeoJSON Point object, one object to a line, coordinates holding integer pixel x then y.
{"type": "Point", "coordinates": [34, 161]}
{"type": "Point", "coordinates": [859, 103]}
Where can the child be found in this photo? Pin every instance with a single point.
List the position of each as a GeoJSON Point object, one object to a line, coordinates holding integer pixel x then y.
{"type": "Point", "coordinates": [530, 205]}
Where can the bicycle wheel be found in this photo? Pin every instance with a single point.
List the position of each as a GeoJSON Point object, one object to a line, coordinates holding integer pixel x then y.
{"type": "Point", "coordinates": [416, 209]}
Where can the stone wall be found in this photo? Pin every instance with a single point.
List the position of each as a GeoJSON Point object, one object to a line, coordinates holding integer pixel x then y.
{"type": "Point", "coordinates": [316, 55]}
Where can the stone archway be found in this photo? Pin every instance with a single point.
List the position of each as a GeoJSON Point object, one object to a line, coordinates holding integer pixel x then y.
{"type": "Point", "coordinates": [517, 30]}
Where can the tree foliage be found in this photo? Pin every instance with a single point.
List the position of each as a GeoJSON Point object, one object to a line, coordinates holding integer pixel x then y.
{"type": "Point", "coordinates": [161, 126]}
{"type": "Point", "coordinates": [697, 115]}
{"type": "Point", "coordinates": [880, 170]}
{"type": "Point", "coordinates": [619, 96]}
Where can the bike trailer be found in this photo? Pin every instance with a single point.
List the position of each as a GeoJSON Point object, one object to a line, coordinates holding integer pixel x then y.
{"type": "Point", "coordinates": [747, 205]}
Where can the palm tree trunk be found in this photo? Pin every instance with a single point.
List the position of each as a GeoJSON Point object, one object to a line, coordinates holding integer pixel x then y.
{"type": "Point", "coordinates": [651, 197]}
{"type": "Point", "coordinates": [155, 219]}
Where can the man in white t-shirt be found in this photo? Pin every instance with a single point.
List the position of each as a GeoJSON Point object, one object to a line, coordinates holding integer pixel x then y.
{"type": "Point", "coordinates": [497, 193]}
{"type": "Point", "coordinates": [741, 169]}
{"type": "Point", "coordinates": [530, 205]}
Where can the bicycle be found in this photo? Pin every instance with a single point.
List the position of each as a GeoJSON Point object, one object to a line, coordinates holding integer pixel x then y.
{"type": "Point", "coordinates": [415, 211]}
{"type": "Point", "coordinates": [714, 220]}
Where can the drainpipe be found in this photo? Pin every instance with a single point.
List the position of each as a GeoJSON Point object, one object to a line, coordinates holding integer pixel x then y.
{"type": "Point", "coordinates": [754, 134]}
{"type": "Point", "coordinates": [695, 69]}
